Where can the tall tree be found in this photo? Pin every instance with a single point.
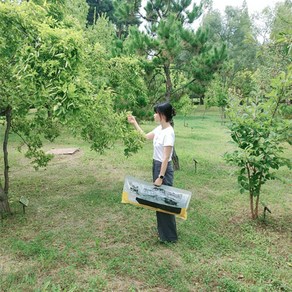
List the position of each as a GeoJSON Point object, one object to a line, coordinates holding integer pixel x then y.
{"type": "Point", "coordinates": [45, 66]}
{"type": "Point", "coordinates": [274, 55]}
{"type": "Point", "coordinates": [126, 15]}
{"type": "Point", "coordinates": [173, 47]}
{"type": "Point", "coordinates": [235, 29]}
{"type": "Point", "coordinates": [240, 37]}
{"type": "Point", "coordinates": [282, 21]}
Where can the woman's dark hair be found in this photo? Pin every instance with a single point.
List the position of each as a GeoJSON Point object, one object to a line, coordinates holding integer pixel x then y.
{"type": "Point", "coordinates": [165, 109]}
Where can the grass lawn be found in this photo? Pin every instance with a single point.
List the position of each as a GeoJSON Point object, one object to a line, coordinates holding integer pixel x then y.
{"type": "Point", "coordinates": [77, 236]}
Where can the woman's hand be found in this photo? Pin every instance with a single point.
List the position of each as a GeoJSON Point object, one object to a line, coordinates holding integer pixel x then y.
{"type": "Point", "coordinates": [131, 119]}
{"type": "Point", "coordinates": [158, 182]}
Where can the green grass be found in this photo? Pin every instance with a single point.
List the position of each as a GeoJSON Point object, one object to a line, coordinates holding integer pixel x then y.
{"type": "Point", "coordinates": [77, 236]}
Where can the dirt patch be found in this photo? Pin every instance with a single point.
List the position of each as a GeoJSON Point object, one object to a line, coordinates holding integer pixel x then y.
{"type": "Point", "coordinates": [10, 265]}
{"type": "Point", "coordinates": [128, 284]}
{"type": "Point", "coordinates": [63, 151]}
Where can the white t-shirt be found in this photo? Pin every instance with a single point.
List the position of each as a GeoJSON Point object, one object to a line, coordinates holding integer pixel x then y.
{"type": "Point", "coordinates": [162, 137]}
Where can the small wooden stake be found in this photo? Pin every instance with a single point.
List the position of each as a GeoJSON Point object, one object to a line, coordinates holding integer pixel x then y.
{"type": "Point", "coordinates": [266, 209]}
{"type": "Point", "coordinates": [196, 162]}
{"type": "Point", "coordinates": [24, 202]}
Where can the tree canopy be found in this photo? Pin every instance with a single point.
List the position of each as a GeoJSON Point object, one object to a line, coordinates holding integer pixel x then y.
{"type": "Point", "coordinates": [48, 79]}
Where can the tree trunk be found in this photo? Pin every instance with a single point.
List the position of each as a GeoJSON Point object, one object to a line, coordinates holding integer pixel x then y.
{"type": "Point", "coordinates": [175, 160]}
{"type": "Point", "coordinates": [256, 212]}
{"type": "Point", "coordinates": [251, 206]}
{"type": "Point", "coordinates": [254, 208]}
{"type": "Point", "coordinates": [168, 82]}
{"type": "Point", "coordinates": [223, 114]}
{"type": "Point", "coordinates": [4, 203]}
{"type": "Point", "coordinates": [201, 100]}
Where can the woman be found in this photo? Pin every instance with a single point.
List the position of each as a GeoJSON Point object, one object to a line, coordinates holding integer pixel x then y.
{"type": "Point", "coordinates": [163, 142]}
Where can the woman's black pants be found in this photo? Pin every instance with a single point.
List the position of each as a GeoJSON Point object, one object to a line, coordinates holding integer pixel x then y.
{"type": "Point", "coordinates": [166, 223]}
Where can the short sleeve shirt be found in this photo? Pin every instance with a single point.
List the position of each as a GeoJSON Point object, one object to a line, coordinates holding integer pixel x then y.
{"type": "Point", "coordinates": [162, 138]}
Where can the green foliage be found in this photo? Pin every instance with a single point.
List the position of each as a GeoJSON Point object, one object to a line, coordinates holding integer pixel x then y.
{"type": "Point", "coordinates": [258, 130]}
{"type": "Point", "coordinates": [102, 32]}
{"type": "Point", "coordinates": [50, 74]}
{"type": "Point", "coordinates": [184, 106]}
{"type": "Point", "coordinates": [217, 93]}
{"type": "Point", "coordinates": [239, 35]}
{"type": "Point", "coordinates": [76, 13]}
{"type": "Point", "coordinates": [98, 8]}
{"type": "Point", "coordinates": [259, 145]}
{"type": "Point", "coordinates": [133, 141]}
{"type": "Point", "coordinates": [45, 75]}
{"type": "Point", "coordinates": [172, 48]}
{"type": "Point", "coordinates": [235, 29]}
{"type": "Point", "coordinates": [126, 15]}
{"type": "Point", "coordinates": [287, 113]}
{"type": "Point", "coordinates": [123, 74]}
{"type": "Point", "coordinates": [48, 78]}
{"type": "Point", "coordinates": [281, 25]}
{"type": "Point", "coordinates": [244, 83]}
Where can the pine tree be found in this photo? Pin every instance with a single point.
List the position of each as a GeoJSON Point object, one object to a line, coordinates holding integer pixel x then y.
{"type": "Point", "coordinates": [174, 48]}
{"type": "Point", "coordinates": [126, 14]}
{"type": "Point", "coordinates": [123, 13]}
{"type": "Point", "coordinates": [98, 7]}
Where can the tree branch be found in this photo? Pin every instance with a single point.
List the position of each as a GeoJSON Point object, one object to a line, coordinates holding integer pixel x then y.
{"type": "Point", "coordinates": [5, 148]}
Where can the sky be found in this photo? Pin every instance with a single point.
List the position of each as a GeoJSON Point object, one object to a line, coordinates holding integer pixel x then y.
{"type": "Point", "coordinates": [253, 5]}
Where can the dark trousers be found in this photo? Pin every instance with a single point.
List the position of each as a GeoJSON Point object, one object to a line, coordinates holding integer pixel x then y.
{"type": "Point", "coordinates": [166, 223]}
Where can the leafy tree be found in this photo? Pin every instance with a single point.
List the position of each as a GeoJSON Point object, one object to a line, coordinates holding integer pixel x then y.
{"type": "Point", "coordinates": [258, 117]}
{"type": "Point", "coordinates": [76, 12]}
{"type": "Point", "coordinates": [275, 55]}
{"type": "Point", "coordinates": [214, 22]}
{"type": "Point", "coordinates": [282, 20]}
{"type": "Point", "coordinates": [184, 106]}
{"type": "Point", "coordinates": [263, 24]}
{"type": "Point", "coordinates": [217, 94]}
{"type": "Point", "coordinates": [102, 32]}
{"type": "Point", "coordinates": [123, 74]}
{"type": "Point", "coordinates": [258, 130]}
{"type": "Point", "coordinates": [45, 67]}
{"type": "Point", "coordinates": [241, 40]}
{"type": "Point", "coordinates": [257, 112]}
{"type": "Point", "coordinates": [235, 29]}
